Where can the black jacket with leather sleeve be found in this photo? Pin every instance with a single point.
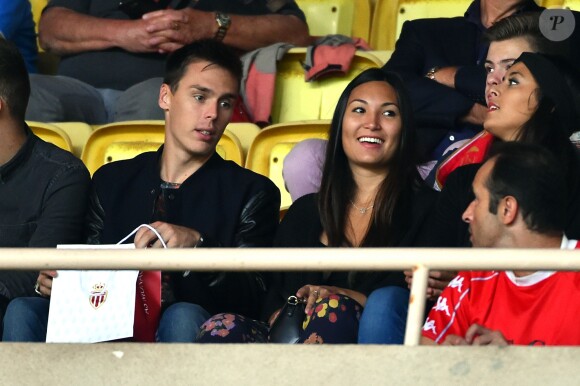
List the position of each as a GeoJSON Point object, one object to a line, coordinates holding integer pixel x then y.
{"type": "Point", "coordinates": [229, 205]}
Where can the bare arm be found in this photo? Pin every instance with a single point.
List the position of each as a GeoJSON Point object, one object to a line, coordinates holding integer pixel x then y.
{"type": "Point", "coordinates": [174, 28]}
{"type": "Point", "coordinates": [427, 342]}
{"type": "Point", "coordinates": [63, 31]}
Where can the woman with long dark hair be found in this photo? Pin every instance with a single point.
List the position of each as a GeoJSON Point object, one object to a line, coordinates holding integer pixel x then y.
{"type": "Point", "coordinates": [371, 196]}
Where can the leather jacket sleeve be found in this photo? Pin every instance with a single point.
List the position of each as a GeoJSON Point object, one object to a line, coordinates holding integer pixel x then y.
{"type": "Point", "coordinates": [95, 219]}
{"type": "Point", "coordinates": [259, 220]}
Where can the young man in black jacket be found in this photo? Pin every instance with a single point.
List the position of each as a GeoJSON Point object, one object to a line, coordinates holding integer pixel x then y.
{"type": "Point", "coordinates": [188, 194]}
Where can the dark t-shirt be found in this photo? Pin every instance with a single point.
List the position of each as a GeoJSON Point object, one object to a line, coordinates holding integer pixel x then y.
{"type": "Point", "coordinates": [119, 69]}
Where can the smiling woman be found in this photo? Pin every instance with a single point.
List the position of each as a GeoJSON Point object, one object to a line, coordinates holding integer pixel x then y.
{"type": "Point", "coordinates": [371, 196]}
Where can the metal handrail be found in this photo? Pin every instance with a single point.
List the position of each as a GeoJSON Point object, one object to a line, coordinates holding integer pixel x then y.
{"type": "Point", "coordinates": [421, 260]}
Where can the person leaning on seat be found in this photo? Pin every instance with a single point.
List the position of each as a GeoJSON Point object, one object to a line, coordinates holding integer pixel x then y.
{"type": "Point", "coordinates": [111, 64]}
{"type": "Point", "coordinates": [188, 193]}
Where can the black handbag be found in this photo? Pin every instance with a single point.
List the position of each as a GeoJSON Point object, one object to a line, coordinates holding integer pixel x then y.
{"type": "Point", "coordinates": [288, 325]}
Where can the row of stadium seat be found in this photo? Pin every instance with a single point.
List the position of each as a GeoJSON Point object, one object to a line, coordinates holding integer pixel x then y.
{"type": "Point", "coordinates": [378, 22]}
{"type": "Point", "coordinates": [260, 150]}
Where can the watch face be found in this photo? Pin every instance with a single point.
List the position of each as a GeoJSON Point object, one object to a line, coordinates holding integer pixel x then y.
{"type": "Point", "coordinates": [223, 20]}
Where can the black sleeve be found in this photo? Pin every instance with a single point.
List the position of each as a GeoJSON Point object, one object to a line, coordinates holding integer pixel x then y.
{"type": "Point", "coordinates": [286, 7]}
{"type": "Point", "coordinates": [434, 104]}
{"type": "Point", "coordinates": [445, 227]}
{"type": "Point", "coordinates": [299, 228]}
{"type": "Point", "coordinates": [95, 220]}
{"type": "Point", "coordinates": [259, 219]}
{"type": "Point", "coordinates": [64, 209]}
{"type": "Point", "coordinates": [239, 292]}
{"type": "Point", "coordinates": [80, 6]}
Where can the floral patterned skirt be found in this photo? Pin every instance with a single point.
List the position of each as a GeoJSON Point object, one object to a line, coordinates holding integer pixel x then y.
{"type": "Point", "coordinates": [334, 319]}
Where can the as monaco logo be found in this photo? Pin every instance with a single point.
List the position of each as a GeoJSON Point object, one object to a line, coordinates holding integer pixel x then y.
{"type": "Point", "coordinates": [98, 295]}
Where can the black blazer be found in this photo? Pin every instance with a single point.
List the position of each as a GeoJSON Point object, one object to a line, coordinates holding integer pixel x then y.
{"type": "Point", "coordinates": [441, 42]}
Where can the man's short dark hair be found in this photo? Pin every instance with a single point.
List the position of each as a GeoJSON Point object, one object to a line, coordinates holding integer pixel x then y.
{"type": "Point", "coordinates": [532, 175]}
{"type": "Point", "coordinates": [525, 26]}
{"type": "Point", "coordinates": [14, 82]}
{"type": "Point", "coordinates": [207, 50]}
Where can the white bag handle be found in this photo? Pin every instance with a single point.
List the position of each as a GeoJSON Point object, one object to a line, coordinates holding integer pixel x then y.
{"type": "Point", "coordinates": [148, 227]}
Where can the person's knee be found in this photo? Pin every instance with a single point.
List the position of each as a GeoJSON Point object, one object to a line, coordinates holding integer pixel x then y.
{"type": "Point", "coordinates": [140, 102]}
{"type": "Point", "coordinates": [186, 313]}
{"type": "Point", "coordinates": [181, 322]}
{"type": "Point", "coordinates": [388, 297]}
{"type": "Point", "coordinates": [26, 319]}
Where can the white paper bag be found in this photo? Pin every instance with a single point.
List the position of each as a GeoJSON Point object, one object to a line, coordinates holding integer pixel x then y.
{"type": "Point", "coordinates": [92, 306]}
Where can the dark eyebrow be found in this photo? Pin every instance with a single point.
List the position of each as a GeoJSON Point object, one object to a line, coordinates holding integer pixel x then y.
{"type": "Point", "coordinates": [211, 92]}
{"type": "Point", "coordinates": [200, 88]}
{"type": "Point", "coordinates": [366, 103]}
{"type": "Point", "coordinates": [501, 61]}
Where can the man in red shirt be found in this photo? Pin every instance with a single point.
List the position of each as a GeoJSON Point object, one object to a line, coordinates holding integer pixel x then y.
{"type": "Point", "coordinates": [519, 203]}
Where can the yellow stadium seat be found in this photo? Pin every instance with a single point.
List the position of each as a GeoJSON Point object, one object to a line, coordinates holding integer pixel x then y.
{"type": "Point", "coordinates": [124, 140]}
{"type": "Point", "coordinates": [78, 132]}
{"type": "Point", "coordinates": [389, 16]}
{"type": "Point", "coordinates": [245, 132]}
{"type": "Point", "coordinates": [298, 100]}
{"type": "Point", "coordinates": [273, 143]}
{"type": "Point", "coordinates": [37, 7]}
{"type": "Point", "coordinates": [47, 62]}
{"type": "Point", "coordinates": [51, 133]}
{"type": "Point", "coordinates": [345, 17]}
{"type": "Point", "coordinates": [574, 5]}
{"type": "Point", "coordinates": [552, 3]}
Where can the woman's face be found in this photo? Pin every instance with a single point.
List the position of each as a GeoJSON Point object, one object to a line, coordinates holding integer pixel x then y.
{"type": "Point", "coordinates": [511, 103]}
{"type": "Point", "coordinates": [371, 125]}
{"type": "Point", "coordinates": [500, 56]}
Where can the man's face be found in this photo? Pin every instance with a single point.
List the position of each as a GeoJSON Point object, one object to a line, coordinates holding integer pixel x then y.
{"type": "Point", "coordinates": [484, 227]}
{"type": "Point", "coordinates": [197, 113]}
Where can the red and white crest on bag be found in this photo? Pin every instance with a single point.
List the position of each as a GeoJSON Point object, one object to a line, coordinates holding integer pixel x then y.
{"type": "Point", "coordinates": [98, 295]}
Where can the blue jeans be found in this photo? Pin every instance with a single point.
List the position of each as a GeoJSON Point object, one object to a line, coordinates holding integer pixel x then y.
{"type": "Point", "coordinates": [384, 317]}
{"type": "Point", "coordinates": [180, 323]}
{"type": "Point", "coordinates": [26, 320]}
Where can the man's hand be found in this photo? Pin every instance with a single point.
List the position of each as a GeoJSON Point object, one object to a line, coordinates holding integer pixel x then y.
{"type": "Point", "coordinates": [476, 114]}
{"type": "Point", "coordinates": [478, 335]}
{"type": "Point", "coordinates": [454, 340]}
{"type": "Point", "coordinates": [175, 236]}
{"type": "Point", "coordinates": [136, 38]}
{"type": "Point", "coordinates": [44, 282]}
{"type": "Point", "coordinates": [437, 282]}
{"type": "Point", "coordinates": [172, 29]}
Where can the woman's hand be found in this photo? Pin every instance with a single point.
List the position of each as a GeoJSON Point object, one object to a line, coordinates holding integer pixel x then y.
{"type": "Point", "coordinates": [312, 292]}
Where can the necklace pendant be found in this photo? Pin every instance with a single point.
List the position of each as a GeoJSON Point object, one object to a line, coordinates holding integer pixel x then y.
{"type": "Point", "coordinates": [362, 210]}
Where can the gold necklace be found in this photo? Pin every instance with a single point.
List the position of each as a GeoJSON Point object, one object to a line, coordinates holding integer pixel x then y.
{"type": "Point", "coordinates": [361, 210]}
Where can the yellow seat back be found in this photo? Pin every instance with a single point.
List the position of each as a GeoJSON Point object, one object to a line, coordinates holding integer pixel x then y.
{"type": "Point", "coordinates": [345, 17]}
{"type": "Point", "coordinates": [389, 16]}
{"type": "Point", "coordinates": [51, 133]}
{"type": "Point", "coordinates": [273, 143]}
{"type": "Point", "coordinates": [574, 5]}
{"type": "Point", "coordinates": [297, 100]}
{"type": "Point", "coordinates": [78, 132]}
{"type": "Point", "coordinates": [125, 140]}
